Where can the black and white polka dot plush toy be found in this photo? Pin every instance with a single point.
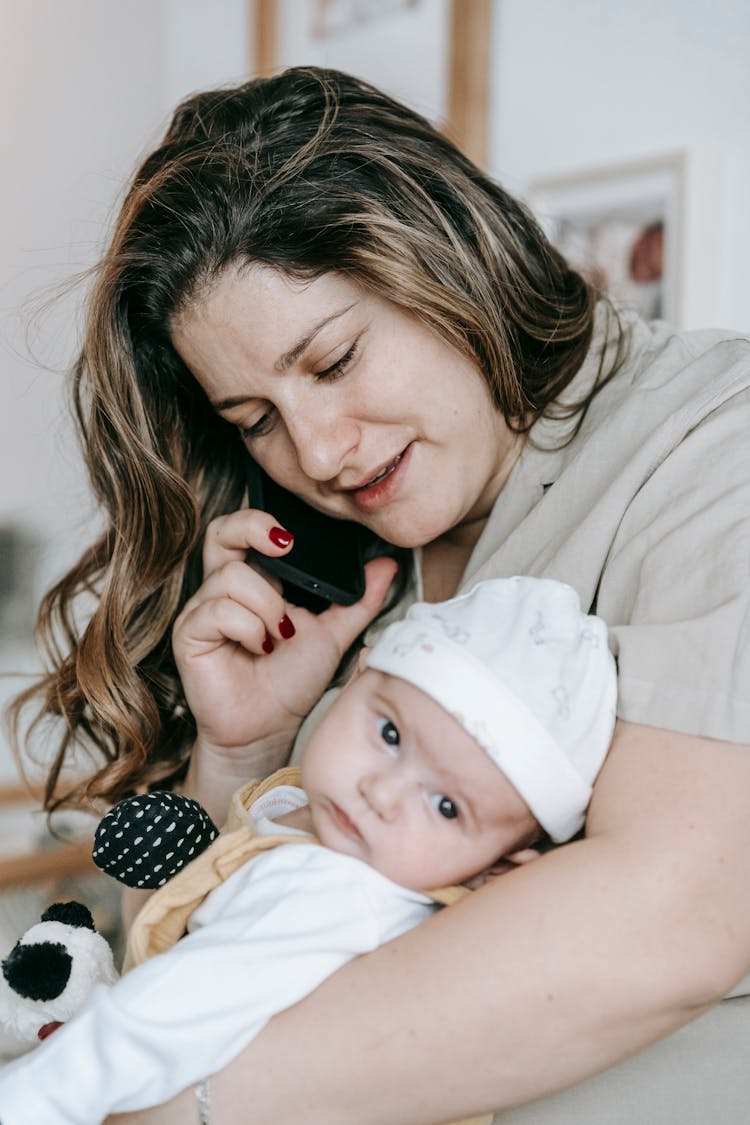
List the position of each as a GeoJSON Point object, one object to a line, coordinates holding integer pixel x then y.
{"type": "Point", "coordinates": [145, 840]}
{"type": "Point", "coordinates": [52, 970]}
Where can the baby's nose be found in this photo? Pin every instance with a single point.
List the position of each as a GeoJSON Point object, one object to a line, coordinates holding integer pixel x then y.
{"type": "Point", "coordinates": [385, 793]}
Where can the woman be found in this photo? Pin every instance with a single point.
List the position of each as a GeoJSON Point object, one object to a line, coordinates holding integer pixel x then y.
{"type": "Point", "coordinates": [306, 271]}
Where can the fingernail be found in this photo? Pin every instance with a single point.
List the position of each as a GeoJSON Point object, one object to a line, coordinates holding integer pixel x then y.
{"type": "Point", "coordinates": [279, 537]}
{"type": "Point", "coordinates": [267, 645]}
{"type": "Point", "coordinates": [286, 628]}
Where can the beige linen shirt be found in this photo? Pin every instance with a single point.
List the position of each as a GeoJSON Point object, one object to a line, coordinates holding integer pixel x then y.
{"type": "Point", "coordinates": [646, 513]}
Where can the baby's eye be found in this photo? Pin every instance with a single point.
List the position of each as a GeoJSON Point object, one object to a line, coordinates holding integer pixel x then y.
{"type": "Point", "coordinates": [445, 806]}
{"type": "Point", "coordinates": [389, 732]}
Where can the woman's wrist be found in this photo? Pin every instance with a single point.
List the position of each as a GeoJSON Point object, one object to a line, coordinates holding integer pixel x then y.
{"type": "Point", "coordinates": [213, 775]}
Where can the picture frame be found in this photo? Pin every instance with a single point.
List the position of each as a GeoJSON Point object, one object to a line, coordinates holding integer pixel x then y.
{"type": "Point", "coordinates": [647, 231]}
{"type": "Point", "coordinates": [381, 41]}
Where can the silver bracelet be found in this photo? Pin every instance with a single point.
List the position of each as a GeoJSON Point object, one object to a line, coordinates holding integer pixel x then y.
{"type": "Point", "coordinates": [204, 1102]}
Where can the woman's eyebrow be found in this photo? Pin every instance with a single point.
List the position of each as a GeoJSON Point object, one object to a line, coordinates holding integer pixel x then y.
{"type": "Point", "coordinates": [284, 362]}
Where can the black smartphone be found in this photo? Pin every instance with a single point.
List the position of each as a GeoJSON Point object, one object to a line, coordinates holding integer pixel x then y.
{"type": "Point", "coordinates": [326, 563]}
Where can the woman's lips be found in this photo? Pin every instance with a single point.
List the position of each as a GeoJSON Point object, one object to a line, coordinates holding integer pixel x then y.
{"type": "Point", "coordinates": [383, 488]}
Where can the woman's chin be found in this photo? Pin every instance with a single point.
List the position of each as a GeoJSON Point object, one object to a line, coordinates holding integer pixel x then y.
{"type": "Point", "coordinates": [399, 533]}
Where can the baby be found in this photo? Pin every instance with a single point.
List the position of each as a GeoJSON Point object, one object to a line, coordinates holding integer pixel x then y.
{"type": "Point", "coordinates": [393, 776]}
{"type": "Point", "coordinates": [471, 729]}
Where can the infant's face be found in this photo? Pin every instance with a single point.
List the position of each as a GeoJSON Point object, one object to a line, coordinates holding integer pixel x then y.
{"type": "Point", "coordinates": [396, 781]}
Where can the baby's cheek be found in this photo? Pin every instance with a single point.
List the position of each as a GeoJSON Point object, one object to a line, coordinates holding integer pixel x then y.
{"type": "Point", "coordinates": [412, 864]}
{"type": "Point", "coordinates": [319, 828]}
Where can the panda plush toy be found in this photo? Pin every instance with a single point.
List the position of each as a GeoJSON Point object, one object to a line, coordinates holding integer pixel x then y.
{"type": "Point", "coordinates": [51, 971]}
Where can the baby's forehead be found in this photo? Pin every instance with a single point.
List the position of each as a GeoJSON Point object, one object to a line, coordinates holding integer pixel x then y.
{"type": "Point", "coordinates": [412, 703]}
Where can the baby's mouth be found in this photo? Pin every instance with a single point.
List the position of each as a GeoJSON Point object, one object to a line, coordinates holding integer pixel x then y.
{"type": "Point", "coordinates": [345, 822]}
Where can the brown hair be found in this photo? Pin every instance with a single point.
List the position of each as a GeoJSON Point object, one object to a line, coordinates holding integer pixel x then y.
{"type": "Point", "coordinates": [309, 171]}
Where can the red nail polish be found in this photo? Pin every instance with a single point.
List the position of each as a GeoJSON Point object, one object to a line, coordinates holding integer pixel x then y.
{"type": "Point", "coordinates": [286, 628]}
{"type": "Point", "coordinates": [267, 645]}
{"type": "Point", "coordinates": [279, 537]}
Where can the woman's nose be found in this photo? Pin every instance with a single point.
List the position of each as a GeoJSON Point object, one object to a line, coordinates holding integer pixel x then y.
{"type": "Point", "coordinates": [323, 443]}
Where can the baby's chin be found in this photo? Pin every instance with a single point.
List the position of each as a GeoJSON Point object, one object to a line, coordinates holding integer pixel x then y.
{"type": "Point", "coordinates": [329, 837]}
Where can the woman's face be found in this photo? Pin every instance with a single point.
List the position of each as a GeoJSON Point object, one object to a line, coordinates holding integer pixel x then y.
{"type": "Point", "coordinates": [349, 402]}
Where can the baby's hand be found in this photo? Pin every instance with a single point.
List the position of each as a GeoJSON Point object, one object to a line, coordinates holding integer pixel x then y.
{"type": "Point", "coordinates": [502, 867]}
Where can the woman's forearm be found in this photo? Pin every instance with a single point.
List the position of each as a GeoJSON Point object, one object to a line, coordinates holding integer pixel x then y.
{"type": "Point", "coordinates": [213, 777]}
{"type": "Point", "coordinates": [542, 978]}
{"type": "Point", "coordinates": [416, 1034]}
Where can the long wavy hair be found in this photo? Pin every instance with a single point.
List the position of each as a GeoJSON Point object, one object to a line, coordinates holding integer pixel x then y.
{"type": "Point", "coordinates": [309, 171]}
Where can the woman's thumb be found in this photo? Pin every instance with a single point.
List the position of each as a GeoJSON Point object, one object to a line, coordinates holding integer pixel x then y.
{"type": "Point", "coordinates": [347, 622]}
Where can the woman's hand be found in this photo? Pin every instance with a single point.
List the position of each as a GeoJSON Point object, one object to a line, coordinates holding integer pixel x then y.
{"type": "Point", "coordinates": [252, 664]}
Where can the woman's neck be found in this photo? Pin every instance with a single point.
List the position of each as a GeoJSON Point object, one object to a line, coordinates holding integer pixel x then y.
{"type": "Point", "coordinates": [443, 565]}
{"type": "Point", "coordinates": [445, 559]}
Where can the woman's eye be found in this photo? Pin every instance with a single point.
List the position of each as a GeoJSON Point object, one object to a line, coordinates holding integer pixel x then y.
{"type": "Point", "coordinates": [340, 366]}
{"type": "Point", "coordinates": [445, 806]}
{"type": "Point", "coordinates": [262, 426]}
{"type": "Point", "coordinates": [389, 732]}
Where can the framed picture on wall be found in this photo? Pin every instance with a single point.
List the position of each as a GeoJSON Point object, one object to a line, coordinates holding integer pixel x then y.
{"type": "Point", "coordinates": [646, 232]}
{"type": "Point", "coordinates": [621, 227]}
{"type": "Point", "coordinates": [434, 55]}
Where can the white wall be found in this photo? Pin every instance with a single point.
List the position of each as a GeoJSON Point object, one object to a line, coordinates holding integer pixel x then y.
{"type": "Point", "coordinates": [206, 43]}
{"type": "Point", "coordinates": [591, 82]}
{"type": "Point", "coordinates": [80, 92]}
{"type": "Point", "coordinates": [85, 89]}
